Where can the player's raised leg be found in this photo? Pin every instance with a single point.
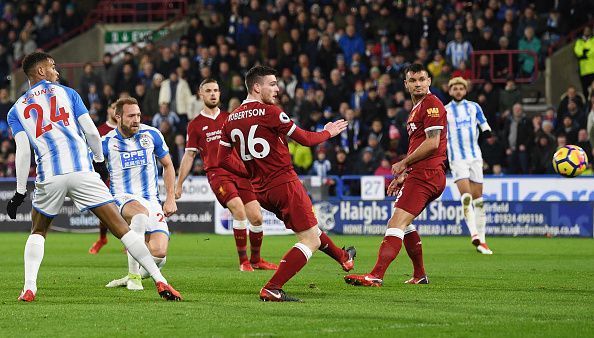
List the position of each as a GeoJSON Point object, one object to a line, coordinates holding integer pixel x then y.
{"type": "Point", "coordinates": [253, 212]}
{"type": "Point", "coordinates": [389, 249]}
{"type": "Point", "coordinates": [466, 199]}
{"type": "Point", "coordinates": [137, 216]}
{"type": "Point", "coordinates": [101, 241]}
{"type": "Point", "coordinates": [481, 218]}
{"type": "Point", "coordinates": [291, 263]}
{"type": "Point", "coordinates": [135, 245]}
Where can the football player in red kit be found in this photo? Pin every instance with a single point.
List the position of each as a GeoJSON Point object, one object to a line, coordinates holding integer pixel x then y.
{"type": "Point", "coordinates": [105, 128]}
{"type": "Point", "coordinates": [257, 130]}
{"type": "Point", "coordinates": [420, 178]}
{"type": "Point", "coordinates": [233, 192]}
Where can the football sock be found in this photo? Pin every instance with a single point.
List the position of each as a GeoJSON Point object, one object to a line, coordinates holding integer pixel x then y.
{"type": "Point", "coordinates": [388, 251]}
{"type": "Point", "coordinates": [293, 261]}
{"type": "Point", "coordinates": [138, 224]}
{"type": "Point", "coordinates": [102, 231]}
{"type": "Point", "coordinates": [481, 219]}
{"type": "Point", "coordinates": [240, 234]}
{"type": "Point", "coordinates": [136, 247]}
{"type": "Point", "coordinates": [414, 249]}
{"type": "Point", "coordinates": [256, 236]}
{"type": "Point", "coordinates": [329, 248]}
{"type": "Point", "coordinates": [469, 215]}
{"type": "Point", "coordinates": [34, 249]}
{"type": "Point", "coordinates": [160, 261]}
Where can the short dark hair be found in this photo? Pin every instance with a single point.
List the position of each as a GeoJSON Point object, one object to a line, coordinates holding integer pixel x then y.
{"type": "Point", "coordinates": [31, 60]}
{"type": "Point", "coordinates": [415, 68]}
{"type": "Point", "coordinates": [253, 75]}
{"type": "Point", "coordinates": [207, 80]}
{"type": "Point", "coordinates": [119, 104]}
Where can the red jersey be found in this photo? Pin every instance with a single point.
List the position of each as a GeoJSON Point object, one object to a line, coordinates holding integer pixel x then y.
{"type": "Point", "coordinates": [257, 131]}
{"type": "Point", "coordinates": [105, 128]}
{"type": "Point", "coordinates": [204, 133]}
{"type": "Point", "coordinates": [428, 114]}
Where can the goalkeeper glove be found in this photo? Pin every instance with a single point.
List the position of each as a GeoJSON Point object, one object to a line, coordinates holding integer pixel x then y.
{"type": "Point", "coordinates": [14, 203]}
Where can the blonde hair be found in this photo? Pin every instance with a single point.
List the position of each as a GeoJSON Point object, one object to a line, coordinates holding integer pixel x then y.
{"type": "Point", "coordinates": [458, 81]}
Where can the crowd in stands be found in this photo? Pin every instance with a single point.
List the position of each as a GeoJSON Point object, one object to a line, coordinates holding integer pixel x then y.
{"type": "Point", "coordinates": [344, 59]}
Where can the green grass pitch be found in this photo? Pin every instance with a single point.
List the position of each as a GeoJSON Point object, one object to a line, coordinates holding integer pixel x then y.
{"type": "Point", "coordinates": [531, 287]}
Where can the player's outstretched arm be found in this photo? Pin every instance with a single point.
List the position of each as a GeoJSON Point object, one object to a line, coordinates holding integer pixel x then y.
{"type": "Point", "coordinates": [169, 207]}
{"type": "Point", "coordinates": [225, 159]}
{"type": "Point", "coordinates": [424, 150]}
{"type": "Point", "coordinates": [184, 170]}
{"type": "Point", "coordinates": [308, 138]}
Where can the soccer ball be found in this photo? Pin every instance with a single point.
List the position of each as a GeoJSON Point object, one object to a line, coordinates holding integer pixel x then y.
{"type": "Point", "coordinates": [570, 161]}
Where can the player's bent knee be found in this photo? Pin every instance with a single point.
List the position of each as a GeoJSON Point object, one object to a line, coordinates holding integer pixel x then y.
{"type": "Point", "coordinates": [466, 199]}
{"type": "Point", "coordinates": [256, 220]}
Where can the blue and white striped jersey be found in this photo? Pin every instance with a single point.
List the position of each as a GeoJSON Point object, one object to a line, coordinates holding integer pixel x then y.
{"type": "Point", "coordinates": [132, 163]}
{"type": "Point", "coordinates": [48, 113]}
{"type": "Point", "coordinates": [463, 118]}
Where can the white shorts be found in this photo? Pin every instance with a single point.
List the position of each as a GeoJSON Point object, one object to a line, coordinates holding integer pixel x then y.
{"type": "Point", "coordinates": [85, 189]}
{"type": "Point", "coordinates": [157, 221]}
{"type": "Point", "coordinates": [470, 169]}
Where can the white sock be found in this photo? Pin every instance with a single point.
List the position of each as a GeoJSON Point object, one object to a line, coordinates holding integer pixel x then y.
{"type": "Point", "coordinates": [160, 261]}
{"type": "Point", "coordinates": [469, 215]}
{"type": "Point", "coordinates": [136, 247]}
{"type": "Point", "coordinates": [304, 249]}
{"type": "Point", "coordinates": [395, 232]}
{"type": "Point", "coordinates": [240, 224]}
{"type": "Point", "coordinates": [481, 219]}
{"type": "Point", "coordinates": [34, 249]}
{"type": "Point", "coordinates": [138, 224]}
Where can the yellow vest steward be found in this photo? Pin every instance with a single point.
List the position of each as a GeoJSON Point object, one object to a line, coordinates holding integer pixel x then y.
{"type": "Point", "coordinates": [587, 62]}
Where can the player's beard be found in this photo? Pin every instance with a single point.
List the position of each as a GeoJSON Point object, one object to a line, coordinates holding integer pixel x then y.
{"type": "Point", "coordinates": [211, 105]}
{"type": "Point", "coordinates": [128, 130]}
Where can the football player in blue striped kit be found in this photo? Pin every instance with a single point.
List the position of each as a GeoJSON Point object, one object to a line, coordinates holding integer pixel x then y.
{"type": "Point", "coordinates": [466, 161]}
{"type": "Point", "coordinates": [52, 119]}
{"type": "Point", "coordinates": [131, 151]}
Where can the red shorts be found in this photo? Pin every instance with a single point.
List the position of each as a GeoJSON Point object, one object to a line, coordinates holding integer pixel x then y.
{"type": "Point", "coordinates": [226, 188]}
{"type": "Point", "coordinates": [420, 187]}
{"type": "Point", "coordinates": [290, 203]}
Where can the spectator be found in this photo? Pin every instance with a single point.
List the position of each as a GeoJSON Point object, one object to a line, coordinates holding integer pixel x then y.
{"type": "Point", "coordinates": [542, 155]}
{"type": "Point", "coordinates": [493, 155]}
{"type": "Point", "coordinates": [350, 138]}
{"type": "Point", "coordinates": [24, 46]}
{"type": "Point", "coordinates": [584, 143]}
{"type": "Point", "coordinates": [198, 168]}
{"type": "Point", "coordinates": [570, 95]}
{"type": "Point", "coordinates": [166, 115]}
{"type": "Point", "coordinates": [302, 158]}
{"type": "Point", "coordinates": [365, 166]}
{"type": "Point", "coordinates": [569, 128]}
{"type": "Point", "coordinates": [458, 50]}
{"type": "Point", "coordinates": [351, 43]}
{"type": "Point", "coordinates": [87, 79]}
{"type": "Point", "coordinates": [384, 169]}
{"type": "Point", "coordinates": [373, 107]}
{"type": "Point", "coordinates": [321, 166]}
{"type": "Point", "coordinates": [509, 96]}
{"type": "Point", "coordinates": [126, 80]}
{"type": "Point", "coordinates": [486, 41]}
{"type": "Point", "coordinates": [176, 93]}
{"type": "Point", "coordinates": [529, 43]}
{"type": "Point", "coordinates": [518, 138]}
{"type": "Point", "coordinates": [584, 51]}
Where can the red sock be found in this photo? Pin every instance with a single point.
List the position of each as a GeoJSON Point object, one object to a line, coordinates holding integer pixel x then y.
{"type": "Point", "coordinates": [102, 231]}
{"type": "Point", "coordinates": [293, 261]}
{"type": "Point", "coordinates": [241, 243]}
{"type": "Point", "coordinates": [414, 249]}
{"type": "Point", "coordinates": [387, 253]}
{"type": "Point", "coordinates": [329, 248]}
{"type": "Point", "coordinates": [255, 244]}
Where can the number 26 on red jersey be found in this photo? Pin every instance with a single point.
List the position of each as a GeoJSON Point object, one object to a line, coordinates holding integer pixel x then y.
{"type": "Point", "coordinates": [247, 148]}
